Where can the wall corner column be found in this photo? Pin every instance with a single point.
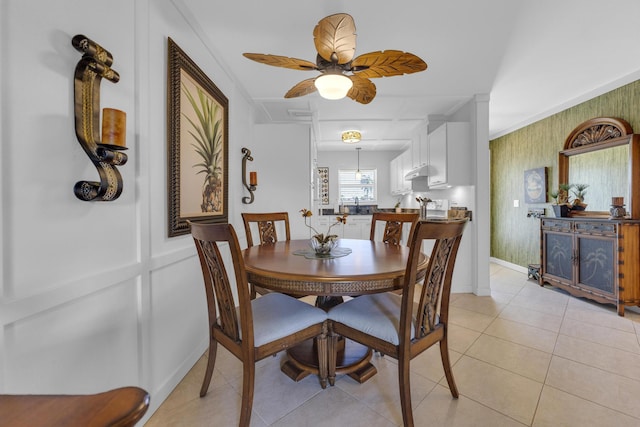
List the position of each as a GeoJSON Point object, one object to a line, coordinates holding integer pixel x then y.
{"type": "Point", "coordinates": [482, 217]}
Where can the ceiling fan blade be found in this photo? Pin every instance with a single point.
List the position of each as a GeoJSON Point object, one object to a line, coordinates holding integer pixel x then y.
{"type": "Point", "coordinates": [335, 38]}
{"type": "Point", "coordinates": [305, 87]}
{"type": "Point", "coordinates": [362, 91]}
{"type": "Point", "coordinates": [387, 63]}
{"type": "Point", "coordinates": [281, 61]}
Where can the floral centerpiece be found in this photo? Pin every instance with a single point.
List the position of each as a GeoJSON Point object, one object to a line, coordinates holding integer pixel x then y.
{"type": "Point", "coordinates": [323, 243]}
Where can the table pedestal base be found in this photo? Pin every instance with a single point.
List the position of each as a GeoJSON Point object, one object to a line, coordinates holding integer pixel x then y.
{"type": "Point", "coordinates": [352, 359]}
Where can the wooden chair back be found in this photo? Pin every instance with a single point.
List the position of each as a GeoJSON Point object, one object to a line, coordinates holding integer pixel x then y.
{"type": "Point", "coordinates": [218, 286]}
{"type": "Point", "coordinates": [394, 223]}
{"type": "Point", "coordinates": [267, 225]}
{"type": "Point", "coordinates": [234, 328]}
{"type": "Point", "coordinates": [395, 325]}
{"type": "Point", "coordinates": [432, 311]}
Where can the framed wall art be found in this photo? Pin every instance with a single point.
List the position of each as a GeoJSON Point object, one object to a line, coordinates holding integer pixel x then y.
{"type": "Point", "coordinates": [198, 145]}
{"type": "Point", "coordinates": [535, 185]}
{"type": "Point", "coordinates": [323, 177]}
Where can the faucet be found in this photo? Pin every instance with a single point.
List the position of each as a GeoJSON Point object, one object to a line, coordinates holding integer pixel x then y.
{"type": "Point", "coordinates": [357, 205]}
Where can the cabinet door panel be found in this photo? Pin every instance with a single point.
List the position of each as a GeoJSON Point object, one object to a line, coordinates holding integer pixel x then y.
{"type": "Point", "coordinates": [351, 231]}
{"type": "Point", "coordinates": [558, 255]}
{"type": "Point", "coordinates": [597, 263]}
{"type": "Point", "coordinates": [393, 175]}
{"type": "Point", "coordinates": [438, 156]}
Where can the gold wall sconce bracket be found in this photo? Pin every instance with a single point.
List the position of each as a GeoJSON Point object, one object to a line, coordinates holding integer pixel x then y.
{"type": "Point", "coordinates": [95, 65]}
{"type": "Point", "coordinates": [253, 181]}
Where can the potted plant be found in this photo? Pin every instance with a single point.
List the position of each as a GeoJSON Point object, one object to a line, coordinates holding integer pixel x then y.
{"type": "Point", "coordinates": [579, 193]}
{"type": "Point", "coordinates": [397, 206]}
{"type": "Point", "coordinates": [560, 197]}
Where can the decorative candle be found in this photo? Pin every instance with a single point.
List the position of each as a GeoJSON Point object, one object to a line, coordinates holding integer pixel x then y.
{"type": "Point", "coordinates": [114, 127]}
{"type": "Point", "coordinates": [253, 178]}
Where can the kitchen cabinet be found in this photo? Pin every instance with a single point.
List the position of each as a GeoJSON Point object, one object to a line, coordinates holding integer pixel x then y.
{"type": "Point", "coordinates": [592, 258]}
{"type": "Point", "coordinates": [405, 161]}
{"type": "Point", "coordinates": [415, 151]}
{"type": "Point", "coordinates": [450, 162]}
{"type": "Point", "coordinates": [393, 175]}
{"type": "Point", "coordinates": [424, 146]}
{"type": "Point", "coordinates": [357, 226]}
{"type": "Point", "coordinates": [419, 147]}
{"type": "Point", "coordinates": [398, 168]}
{"type": "Point", "coordinates": [323, 223]}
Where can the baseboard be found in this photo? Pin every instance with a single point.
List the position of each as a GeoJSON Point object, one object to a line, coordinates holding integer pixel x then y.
{"type": "Point", "coordinates": [509, 265]}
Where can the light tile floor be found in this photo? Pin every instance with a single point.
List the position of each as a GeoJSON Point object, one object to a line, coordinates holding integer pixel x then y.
{"type": "Point", "coordinates": [526, 356]}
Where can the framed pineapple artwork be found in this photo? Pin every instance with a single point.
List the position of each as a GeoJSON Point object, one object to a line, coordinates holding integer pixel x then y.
{"type": "Point", "coordinates": [198, 145]}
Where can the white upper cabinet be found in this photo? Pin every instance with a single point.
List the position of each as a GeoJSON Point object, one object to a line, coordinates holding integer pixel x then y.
{"type": "Point", "coordinates": [419, 147]}
{"type": "Point", "coordinates": [446, 151]}
{"type": "Point", "coordinates": [450, 161]}
{"type": "Point", "coordinates": [424, 145]}
{"type": "Point", "coordinates": [398, 168]}
{"type": "Point", "coordinates": [415, 150]}
{"type": "Point", "coordinates": [393, 175]}
{"type": "Point", "coordinates": [406, 161]}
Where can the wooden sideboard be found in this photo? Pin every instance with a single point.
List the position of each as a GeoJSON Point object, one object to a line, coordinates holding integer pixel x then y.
{"type": "Point", "coordinates": [593, 258]}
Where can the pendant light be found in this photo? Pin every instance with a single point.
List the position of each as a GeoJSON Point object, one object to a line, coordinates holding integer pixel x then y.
{"type": "Point", "coordinates": [358, 173]}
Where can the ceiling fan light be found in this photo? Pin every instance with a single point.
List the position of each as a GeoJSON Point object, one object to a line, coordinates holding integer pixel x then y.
{"type": "Point", "coordinates": [351, 136]}
{"type": "Point", "coordinates": [333, 86]}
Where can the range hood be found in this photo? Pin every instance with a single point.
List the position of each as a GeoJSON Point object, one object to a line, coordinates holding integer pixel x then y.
{"type": "Point", "coordinates": [419, 172]}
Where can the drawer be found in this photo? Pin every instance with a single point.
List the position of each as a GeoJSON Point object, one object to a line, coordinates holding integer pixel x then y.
{"type": "Point", "coordinates": [598, 228]}
{"type": "Point", "coordinates": [557, 224]}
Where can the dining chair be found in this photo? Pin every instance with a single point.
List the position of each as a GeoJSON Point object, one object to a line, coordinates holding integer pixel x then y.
{"type": "Point", "coordinates": [122, 407]}
{"type": "Point", "coordinates": [255, 328]}
{"type": "Point", "coordinates": [393, 224]}
{"type": "Point", "coordinates": [266, 226]}
{"type": "Point", "coordinates": [394, 324]}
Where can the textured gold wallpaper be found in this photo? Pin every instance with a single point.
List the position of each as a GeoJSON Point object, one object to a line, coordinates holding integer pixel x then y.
{"type": "Point", "coordinates": [514, 237]}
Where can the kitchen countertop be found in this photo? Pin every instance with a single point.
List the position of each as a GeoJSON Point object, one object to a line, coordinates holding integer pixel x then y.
{"type": "Point", "coordinates": [366, 211]}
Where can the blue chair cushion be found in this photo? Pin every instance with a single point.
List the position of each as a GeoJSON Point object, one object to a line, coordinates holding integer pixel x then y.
{"type": "Point", "coordinates": [377, 315]}
{"type": "Point", "coordinates": [277, 315]}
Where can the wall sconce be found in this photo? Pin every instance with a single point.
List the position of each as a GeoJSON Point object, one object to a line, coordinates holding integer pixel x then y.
{"type": "Point", "coordinates": [105, 154]}
{"type": "Point", "coordinates": [253, 176]}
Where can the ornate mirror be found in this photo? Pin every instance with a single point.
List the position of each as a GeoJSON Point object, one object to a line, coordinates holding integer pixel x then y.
{"type": "Point", "coordinates": [604, 154]}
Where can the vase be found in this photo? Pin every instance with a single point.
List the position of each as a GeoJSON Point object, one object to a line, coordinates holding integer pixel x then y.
{"type": "Point", "coordinates": [323, 247]}
{"type": "Point", "coordinates": [561, 210]}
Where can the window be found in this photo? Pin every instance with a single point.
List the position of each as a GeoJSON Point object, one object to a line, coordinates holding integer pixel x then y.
{"type": "Point", "coordinates": [365, 188]}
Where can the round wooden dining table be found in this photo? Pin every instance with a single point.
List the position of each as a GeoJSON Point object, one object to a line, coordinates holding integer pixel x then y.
{"type": "Point", "coordinates": [359, 267]}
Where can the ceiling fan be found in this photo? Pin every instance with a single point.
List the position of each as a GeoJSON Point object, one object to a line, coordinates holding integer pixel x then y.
{"type": "Point", "coordinates": [342, 74]}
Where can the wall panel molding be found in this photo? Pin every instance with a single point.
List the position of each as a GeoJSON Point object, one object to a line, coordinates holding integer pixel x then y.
{"type": "Point", "coordinates": [14, 310]}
